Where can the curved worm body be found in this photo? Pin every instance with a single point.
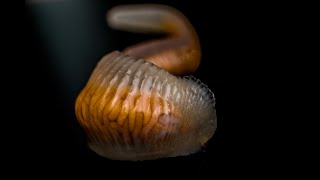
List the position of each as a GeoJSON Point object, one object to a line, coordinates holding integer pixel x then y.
{"type": "Point", "coordinates": [134, 108]}
{"type": "Point", "coordinates": [179, 53]}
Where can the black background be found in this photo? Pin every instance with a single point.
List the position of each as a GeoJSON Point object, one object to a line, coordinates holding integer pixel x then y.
{"type": "Point", "coordinates": [233, 37]}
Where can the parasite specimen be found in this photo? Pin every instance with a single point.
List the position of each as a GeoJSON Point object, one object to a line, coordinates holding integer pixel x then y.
{"type": "Point", "coordinates": [137, 104]}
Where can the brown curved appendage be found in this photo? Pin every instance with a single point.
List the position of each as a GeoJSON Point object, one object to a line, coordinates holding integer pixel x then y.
{"type": "Point", "coordinates": [179, 53]}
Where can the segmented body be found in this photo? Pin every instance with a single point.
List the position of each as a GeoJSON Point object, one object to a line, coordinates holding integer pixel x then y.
{"type": "Point", "coordinates": [132, 110]}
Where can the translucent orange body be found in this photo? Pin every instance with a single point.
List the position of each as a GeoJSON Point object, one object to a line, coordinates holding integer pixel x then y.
{"type": "Point", "coordinates": [133, 106]}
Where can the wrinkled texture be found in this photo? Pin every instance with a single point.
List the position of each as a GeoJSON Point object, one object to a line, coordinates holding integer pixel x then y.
{"type": "Point", "coordinates": [132, 110]}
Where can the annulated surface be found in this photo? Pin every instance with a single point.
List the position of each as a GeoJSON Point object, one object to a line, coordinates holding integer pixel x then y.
{"type": "Point", "coordinates": [132, 110]}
